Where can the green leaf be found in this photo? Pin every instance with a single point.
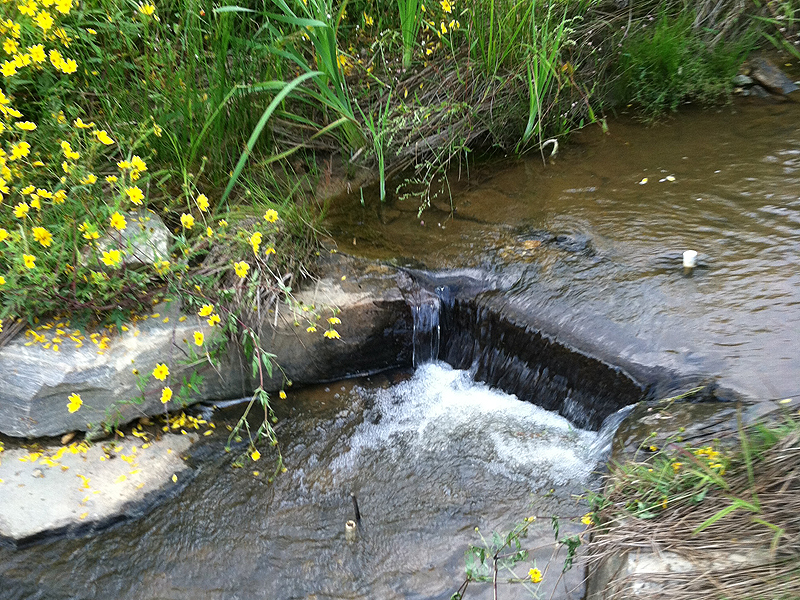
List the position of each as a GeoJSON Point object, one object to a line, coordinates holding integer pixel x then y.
{"type": "Point", "coordinates": [230, 9]}
{"type": "Point", "coordinates": [262, 122]}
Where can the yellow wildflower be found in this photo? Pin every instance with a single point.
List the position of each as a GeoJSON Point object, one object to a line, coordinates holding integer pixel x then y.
{"type": "Point", "coordinates": [81, 125]}
{"type": "Point", "coordinates": [271, 216]}
{"type": "Point", "coordinates": [3, 234]}
{"type": "Point", "coordinates": [334, 320]}
{"type": "Point", "coordinates": [111, 258]}
{"type": "Point", "coordinates": [20, 150]}
{"type": "Point", "coordinates": [202, 202]}
{"type": "Point", "coordinates": [75, 403]}
{"type": "Point", "coordinates": [332, 334]}
{"type": "Point", "coordinates": [89, 179]}
{"type": "Point", "coordinates": [21, 210]}
{"type": "Point", "coordinates": [27, 8]}
{"type": "Point", "coordinates": [206, 310]}
{"type": "Point", "coordinates": [112, 179]}
{"type": "Point", "coordinates": [587, 519]}
{"type": "Point", "coordinates": [103, 138]}
{"type": "Point", "coordinates": [30, 260]}
{"type": "Point", "coordinates": [10, 46]}
{"type": "Point", "coordinates": [8, 68]}
{"type": "Point", "coordinates": [63, 6]}
{"type": "Point", "coordinates": [138, 164]}
{"type": "Point", "coordinates": [55, 58]}
{"type": "Point", "coordinates": [311, 328]}
{"type": "Point", "coordinates": [255, 241]}
{"type": "Point", "coordinates": [241, 268]}
{"type": "Point", "coordinates": [269, 251]}
{"type": "Point", "coordinates": [44, 20]}
{"type": "Point", "coordinates": [147, 9]}
{"type": "Point", "coordinates": [161, 371]}
{"type": "Point", "coordinates": [69, 66]}
{"type": "Point", "coordinates": [255, 455]}
{"type": "Point", "coordinates": [135, 195]}
{"type": "Point", "coordinates": [187, 221]}
{"type": "Point", "coordinates": [37, 53]}
{"type": "Point", "coordinates": [282, 395]}
{"type": "Point", "coordinates": [41, 235]}
{"type": "Point", "coordinates": [25, 125]}
{"type": "Point", "coordinates": [213, 320]}
{"type": "Point", "coordinates": [446, 6]}
{"type": "Point", "coordinates": [535, 575]}
{"type": "Point", "coordinates": [118, 221]}
{"type": "Point", "coordinates": [199, 338]}
{"type": "Point", "coordinates": [166, 394]}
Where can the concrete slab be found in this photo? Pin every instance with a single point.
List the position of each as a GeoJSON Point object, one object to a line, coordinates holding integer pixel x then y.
{"type": "Point", "coordinates": [48, 490]}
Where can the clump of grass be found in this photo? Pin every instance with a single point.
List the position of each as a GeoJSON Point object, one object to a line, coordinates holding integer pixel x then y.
{"type": "Point", "coordinates": [669, 61]}
{"type": "Point", "coordinates": [705, 503]}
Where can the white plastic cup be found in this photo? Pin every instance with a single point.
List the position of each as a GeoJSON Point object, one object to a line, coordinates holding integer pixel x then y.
{"type": "Point", "coordinates": [689, 259]}
{"type": "Point", "coordinates": [350, 529]}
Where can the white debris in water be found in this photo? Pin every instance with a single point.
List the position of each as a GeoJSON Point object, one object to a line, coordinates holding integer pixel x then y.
{"type": "Point", "coordinates": [441, 411]}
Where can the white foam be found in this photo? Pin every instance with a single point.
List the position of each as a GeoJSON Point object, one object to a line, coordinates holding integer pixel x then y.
{"type": "Point", "coordinates": [442, 411]}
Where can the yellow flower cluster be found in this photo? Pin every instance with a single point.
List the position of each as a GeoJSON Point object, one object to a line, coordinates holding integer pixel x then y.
{"type": "Point", "coordinates": [37, 20]}
{"type": "Point", "coordinates": [712, 457]}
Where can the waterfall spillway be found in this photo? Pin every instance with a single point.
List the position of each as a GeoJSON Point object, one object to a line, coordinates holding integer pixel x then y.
{"type": "Point", "coordinates": [427, 331]}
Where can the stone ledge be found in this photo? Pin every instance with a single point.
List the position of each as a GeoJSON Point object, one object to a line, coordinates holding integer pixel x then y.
{"type": "Point", "coordinates": [35, 382]}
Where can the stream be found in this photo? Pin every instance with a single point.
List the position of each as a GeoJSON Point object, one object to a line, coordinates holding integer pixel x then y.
{"type": "Point", "coordinates": [588, 250]}
{"type": "Point", "coordinates": [430, 455]}
{"type": "Point", "coordinates": [592, 243]}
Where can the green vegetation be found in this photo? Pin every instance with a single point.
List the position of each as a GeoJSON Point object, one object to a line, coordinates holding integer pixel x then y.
{"type": "Point", "coordinates": [111, 108]}
{"type": "Point", "coordinates": [494, 560]}
{"type": "Point", "coordinates": [730, 497]}
{"type": "Point", "coordinates": [667, 63]}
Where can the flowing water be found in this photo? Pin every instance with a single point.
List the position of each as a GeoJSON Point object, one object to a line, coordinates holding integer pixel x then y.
{"type": "Point", "coordinates": [430, 455]}
{"type": "Point", "coordinates": [585, 249]}
{"type": "Point", "coordinates": [593, 242]}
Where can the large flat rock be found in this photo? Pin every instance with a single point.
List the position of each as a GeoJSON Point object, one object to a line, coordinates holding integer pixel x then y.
{"type": "Point", "coordinates": [111, 373]}
{"type": "Point", "coordinates": [59, 489]}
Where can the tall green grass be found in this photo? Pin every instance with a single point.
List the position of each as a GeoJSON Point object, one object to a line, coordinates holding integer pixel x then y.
{"type": "Point", "coordinates": [410, 22]}
{"type": "Point", "coordinates": [670, 62]}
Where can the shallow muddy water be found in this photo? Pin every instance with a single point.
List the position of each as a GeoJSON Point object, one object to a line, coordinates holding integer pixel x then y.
{"type": "Point", "coordinates": [593, 242]}
{"type": "Point", "coordinates": [430, 456]}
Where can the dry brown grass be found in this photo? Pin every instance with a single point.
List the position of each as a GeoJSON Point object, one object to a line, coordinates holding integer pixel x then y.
{"type": "Point", "coordinates": [767, 533]}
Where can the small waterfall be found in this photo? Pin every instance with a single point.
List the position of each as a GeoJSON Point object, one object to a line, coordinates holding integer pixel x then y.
{"type": "Point", "coordinates": [478, 332]}
{"type": "Point", "coordinates": [426, 329]}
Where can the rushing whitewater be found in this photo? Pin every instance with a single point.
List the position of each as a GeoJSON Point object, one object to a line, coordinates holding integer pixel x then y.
{"type": "Point", "coordinates": [442, 412]}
